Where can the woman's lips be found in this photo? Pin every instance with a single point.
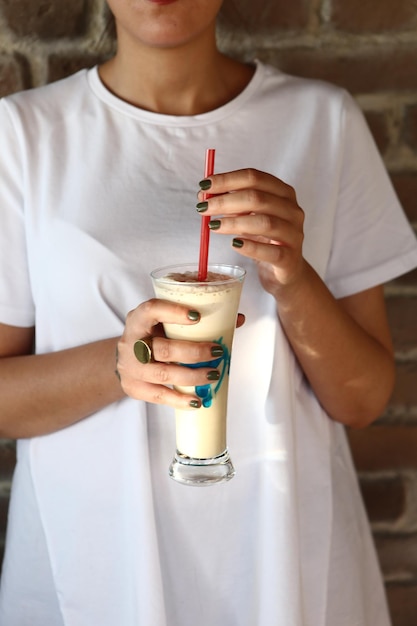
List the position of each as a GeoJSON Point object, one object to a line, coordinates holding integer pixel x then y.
{"type": "Point", "coordinates": [161, 1]}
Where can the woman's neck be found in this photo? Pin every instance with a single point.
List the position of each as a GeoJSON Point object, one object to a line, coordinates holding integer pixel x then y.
{"type": "Point", "coordinates": [186, 80]}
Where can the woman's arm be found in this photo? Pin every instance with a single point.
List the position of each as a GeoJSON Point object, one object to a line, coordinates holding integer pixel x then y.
{"type": "Point", "coordinates": [344, 347]}
{"type": "Point", "coordinates": [40, 394]}
{"type": "Point", "coordinates": [44, 393]}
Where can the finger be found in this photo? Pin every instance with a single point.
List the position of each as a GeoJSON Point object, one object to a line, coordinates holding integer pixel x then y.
{"type": "Point", "coordinates": [248, 178]}
{"type": "Point", "coordinates": [142, 320]}
{"type": "Point", "coordinates": [177, 375]}
{"type": "Point", "coordinates": [249, 201]}
{"type": "Point", "coordinates": [277, 255]}
{"type": "Point", "coordinates": [176, 351]}
{"type": "Point", "coordinates": [268, 226]}
{"type": "Point", "coordinates": [137, 378]}
{"type": "Point", "coordinates": [160, 394]}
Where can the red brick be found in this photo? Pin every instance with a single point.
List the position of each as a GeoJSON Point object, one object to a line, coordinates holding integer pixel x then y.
{"type": "Point", "coordinates": [7, 459]}
{"type": "Point", "coordinates": [384, 498]}
{"type": "Point", "coordinates": [380, 448]}
{"type": "Point", "coordinates": [47, 19]}
{"type": "Point", "coordinates": [363, 72]}
{"type": "Point", "coordinates": [397, 555]}
{"type": "Point", "coordinates": [361, 16]}
{"type": "Point", "coordinates": [264, 16]}
{"type": "Point", "coordinates": [7, 464]}
{"type": "Point", "coordinates": [402, 601]}
{"type": "Point", "coordinates": [405, 184]}
{"type": "Point", "coordinates": [4, 507]}
{"type": "Point", "coordinates": [402, 315]}
{"type": "Point", "coordinates": [377, 123]}
{"type": "Point", "coordinates": [405, 389]}
{"type": "Point", "coordinates": [410, 127]}
{"type": "Point", "coordinates": [60, 66]}
{"type": "Point", "coordinates": [406, 280]}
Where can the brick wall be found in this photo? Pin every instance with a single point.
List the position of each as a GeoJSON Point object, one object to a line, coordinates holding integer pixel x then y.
{"type": "Point", "coordinates": [368, 47]}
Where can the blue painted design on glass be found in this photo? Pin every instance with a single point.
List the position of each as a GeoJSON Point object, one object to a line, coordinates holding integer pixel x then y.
{"type": "Point", "coordinates": [208, 392]}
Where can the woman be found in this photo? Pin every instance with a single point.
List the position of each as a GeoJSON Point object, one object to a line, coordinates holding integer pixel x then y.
{"type": "Point", "coordinates": [97, 190]}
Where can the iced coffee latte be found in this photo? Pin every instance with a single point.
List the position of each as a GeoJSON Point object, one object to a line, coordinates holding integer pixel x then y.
{"type": "Point", "coordinates": [201, 433]}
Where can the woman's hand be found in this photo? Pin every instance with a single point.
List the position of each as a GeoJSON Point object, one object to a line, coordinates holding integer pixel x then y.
{"type": "Point", "coordinates": [152, 381]}
{"type": "Point", "coordinates": [263, 214]}
{"type": "Point", "coordinates": [350, 367]}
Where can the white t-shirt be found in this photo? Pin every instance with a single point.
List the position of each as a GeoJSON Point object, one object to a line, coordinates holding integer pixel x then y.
{"type": "Point", "coordinates": [94, 194]}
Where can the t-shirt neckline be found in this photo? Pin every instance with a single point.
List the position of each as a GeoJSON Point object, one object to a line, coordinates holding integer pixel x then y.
{"type": "Point", "coordinates": [110, 99]}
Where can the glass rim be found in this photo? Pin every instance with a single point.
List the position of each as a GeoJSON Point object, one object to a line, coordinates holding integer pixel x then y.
{"type": "Point", "coordinates": [236, 272]}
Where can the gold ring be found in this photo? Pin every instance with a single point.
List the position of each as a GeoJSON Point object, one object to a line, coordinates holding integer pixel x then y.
{"type": "Point", "coordinates": [143, 350]}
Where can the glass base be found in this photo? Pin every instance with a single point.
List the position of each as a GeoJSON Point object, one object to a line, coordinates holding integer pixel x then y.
{"type": "Point", "coordinates": [200, 472]}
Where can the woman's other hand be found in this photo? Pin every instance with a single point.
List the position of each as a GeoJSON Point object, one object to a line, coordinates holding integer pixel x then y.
{"type": "Point", "coordinates": [262, 212]}
{"type": "Point", "coordinates": [350, 367]}
{"type": "Point", "coordinates": [153, 381]}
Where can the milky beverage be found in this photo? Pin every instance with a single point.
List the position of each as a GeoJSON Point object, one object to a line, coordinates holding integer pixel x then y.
{"type": "Point", "coordinates": [201, 433]}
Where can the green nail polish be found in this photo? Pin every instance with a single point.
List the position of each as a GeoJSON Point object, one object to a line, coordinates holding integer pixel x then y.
{"type": "Point", "coordinates": [214, 224]}
{"type": "Point", "coordinates": [237, 243]}
{"type": "Point", "coordinates": [205, 184]}
{"type": "Point", "coordinates": [213, 375]}
{"type": "Point", "coordinates": [216, 351]}
{"type": "Point", "coordinates": [195, 404]}
{"type": "Point", "coordinates": [202, 206]}
{"type": "Point", "coordinates": [194, 316]}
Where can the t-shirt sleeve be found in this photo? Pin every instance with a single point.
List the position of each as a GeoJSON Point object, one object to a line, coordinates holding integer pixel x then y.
{"type": "Point", "coordinates": [16, 303]}
{"type": "Point", "coordinates": [373, 241]}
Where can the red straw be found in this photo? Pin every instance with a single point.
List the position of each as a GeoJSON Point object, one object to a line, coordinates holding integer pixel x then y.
{"type": "Point", "coordinates": [205, 231]}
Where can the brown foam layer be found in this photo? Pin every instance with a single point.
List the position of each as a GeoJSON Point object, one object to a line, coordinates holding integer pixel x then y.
{"type": "Point", "coordinates": [192, 277]}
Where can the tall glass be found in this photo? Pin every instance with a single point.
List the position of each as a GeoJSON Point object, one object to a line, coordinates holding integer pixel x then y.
{"type": "Point", "coordinates": [202, 456]}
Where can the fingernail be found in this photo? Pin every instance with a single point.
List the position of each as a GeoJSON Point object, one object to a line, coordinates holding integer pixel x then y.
{"type": "Point", "coordinates": [237, 243]}
{"type": "Point", "coordinates": [195, 404]}
{"type": "Point", "coordinates": [216, 351]}
{"type": "Point", "coordinates": [213, 375]}
{"type": "Point", "coordinates": [214, 224]}
{"type": "Point", "coordinates": [205, 184]}
{"type": "Point", "coordinates": [194, 316]}
{"type": "Point", "coordinates": [202, 206]}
